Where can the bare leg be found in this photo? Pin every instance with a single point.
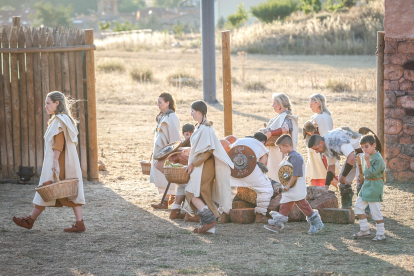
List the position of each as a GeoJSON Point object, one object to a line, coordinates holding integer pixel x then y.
{"type": "Point", "coordinates": [37, 210]}
{"type": "Point", "coordinates": [179, 199]}
{"type": "Point", "coordinates": [78, 213]}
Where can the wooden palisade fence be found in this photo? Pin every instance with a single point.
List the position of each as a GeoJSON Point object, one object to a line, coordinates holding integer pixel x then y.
{"type": "Point", "coordinates": [36, 61]}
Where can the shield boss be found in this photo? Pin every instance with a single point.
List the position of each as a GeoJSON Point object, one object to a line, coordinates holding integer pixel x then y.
{"type": "Point", "coordinates": [244, 160]}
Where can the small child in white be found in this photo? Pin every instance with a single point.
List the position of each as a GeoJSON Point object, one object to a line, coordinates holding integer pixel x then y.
{"type": "Point", "coordinates": [293, 195]}
{"type": "Point", "coordinates": [372, 189]}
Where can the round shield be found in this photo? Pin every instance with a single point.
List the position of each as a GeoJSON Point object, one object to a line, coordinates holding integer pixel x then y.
{"type": "Point", "coordinates": [244, 160]}
{"type": "Point", "coordinates": [165, 151]}
{"type": "Point", "coordinates": [365, 130]}
{"type": "Point", "coordinates": [285, 174]}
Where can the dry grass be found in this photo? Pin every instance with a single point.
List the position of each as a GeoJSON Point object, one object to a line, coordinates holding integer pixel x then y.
{"type": "Point", "coordinates": [141, 73]}
{"type": "Point", "coordinates": [109, 65]}
{"type": "Point", "coordinates": [126, 237]}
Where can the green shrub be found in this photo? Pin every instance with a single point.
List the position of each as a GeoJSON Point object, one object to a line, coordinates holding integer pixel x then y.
{"type": "Point", "coordinates": [141, 74]}
{"type": "Point", "coordinates": [239, 17]}
{"type": "Point", "coordinates": [111, 65]}
{"type": "Point", "coordinates": [338, 85]}
{"type": "Point", "coordinates": [308, 6]}
{"type": "Point", "coordinates": [274, 10]}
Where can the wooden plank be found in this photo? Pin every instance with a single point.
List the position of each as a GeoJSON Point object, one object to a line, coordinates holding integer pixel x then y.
{"type": "Point", "coordinates": [81, 109]}
{"type": "Point", "coordinates": [8, 105]}
{"type": "Point", "coordinates": [16, 21]}
{"type": "Point", "coordinates": [58, 64]}
{"type": "Point", "coordinates": [38, 98]}
{"type": "Point", "coordinates": [72, 69]}
{"type": "Point", "coordinates": [3, 139]}
{"type": "Point", "coordinates": [49, 49]}
{"type": "Point", "coordinates": [227, 103]}
{"type": "Point", "coordinates": [52, 77]}
{"type": "Point", "coordinates": [23, 101]}
{"type": "Point", "coordinates": [91, 96]}
{"type": "Point", "coordinates": [30, 102]}
{"type": "Point", "coordinates": [45, 77]}
{"type": "Point", "coordinates": [380, 89]}
{"type": "Point", "coordinates": [65, 68]}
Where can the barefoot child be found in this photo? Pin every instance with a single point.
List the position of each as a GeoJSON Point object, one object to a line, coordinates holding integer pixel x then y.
{"type": "Point", "coordinates": [295, 195]}
{"type": "Point", "coordinates": [61, 158]}
{"type": "Point", "coordinates": [372, 190]}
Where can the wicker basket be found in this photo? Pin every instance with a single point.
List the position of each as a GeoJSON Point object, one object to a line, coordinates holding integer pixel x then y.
{"type": "Point", "coordinates": [146, 167]}
{"type": "Point", "coordinates": [176, 175]}
{"type": "Point", "coordinates": [59, 189]}
{"type": "Point", "coordinates": [271, 142]}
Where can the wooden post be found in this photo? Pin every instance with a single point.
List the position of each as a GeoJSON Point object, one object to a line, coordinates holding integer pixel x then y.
{"type": "Point", "coordinates": [380, 90]}
{"type": "Point", "coordinates": [58, 64]}
{"type": "Point", "coordinates": [45, 77]}
{"type": "Point", "coordinates": [30, 102]}
{"type": "Point", "coordinates": [227, 104]}
{"type": "Point", "coordinates": [16, 21]}
{"type": "Point", "coordinates": [3, 139]}
{"type": "Point", "coordinates": [23, 101]}
{"type": "Point", "coordinates": [52, 77]}
{"type": "Point", "coordinates": [92, 127]}
{"type": "Point", "coordinates": [65, 67]}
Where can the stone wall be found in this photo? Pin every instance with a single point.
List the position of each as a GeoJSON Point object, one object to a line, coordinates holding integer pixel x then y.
{"type": "Point", "coordinates": [399, 109]}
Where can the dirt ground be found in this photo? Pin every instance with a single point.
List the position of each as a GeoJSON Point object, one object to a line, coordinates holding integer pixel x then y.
{"type": "Point", "coordinates": [126, 237]}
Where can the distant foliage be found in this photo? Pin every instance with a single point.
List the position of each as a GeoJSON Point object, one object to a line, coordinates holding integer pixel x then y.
{"type": "Point", "coordinates": [308, 6]}
{"type": "Point", "coordinates": [53, 16]}
{"type": "Point", "coordinates": [125, 6]}
{"type": "Point", "coordinates": [166, 3]}
{"type": "Point", "coordinates": [274, 10]}
{"type": "Point", "coordinates": [126, 26]}
{"type": "Point", "coordinates": [104, 26]}
{"type": "Point", "coordinates": [334, 5]}
{"type": "Point", "coordinates": [238, 18]}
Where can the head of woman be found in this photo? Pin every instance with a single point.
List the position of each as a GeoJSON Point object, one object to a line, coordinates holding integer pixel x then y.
{"type": "Point", "coordinates": [318, 104]}
{"type": "Point", "coordinates": [57, 103]}
{"type": "Point", "coordinates": [166, 101]}
{"type": "Point", "coordinates": [198, 111]}
{"type": "Point", "coordinates": [281, 103]}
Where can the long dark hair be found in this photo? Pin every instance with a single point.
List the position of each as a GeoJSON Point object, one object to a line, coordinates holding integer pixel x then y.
{"type": "Point", "coordinates": [168, 98]}
{"type": "Point", "coordinates": [200, 106]}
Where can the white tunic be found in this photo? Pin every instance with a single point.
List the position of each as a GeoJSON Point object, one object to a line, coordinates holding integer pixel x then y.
{"type": "Point", "coordinates": [275, 156]}
{"type": "Point", "coordinates": [62, 122]}
{"type": "Point", "coordinates": [298, 192]}
{"type": "Point", "coordinates": [315, 169]}
{"type": "Point", "coordinates": [168, 131]}
{"type": "Point", "coordinates": [204, 139]}
{"type": "Point", "coordinates": [257, 177]}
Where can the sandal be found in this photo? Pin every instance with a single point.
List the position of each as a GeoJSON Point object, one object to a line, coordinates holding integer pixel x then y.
{"type": "Point", "coordinates": [379, 238]}
{"type": "Point", "coordinates": [204, 228]}
{"type": "Point", "coordinates": [362, 234]}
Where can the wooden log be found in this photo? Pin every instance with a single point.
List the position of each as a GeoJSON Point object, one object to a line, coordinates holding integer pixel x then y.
{"type": "Point", "coordinates": [58, 64]}
{"type": "Point", "coordinates": [335, 215]}
{"type": "Point", "coordinates": [380, 91]}
{"type": "Point", "coordinates": [91, 96]}
{"type": "Point", "coordinates": [243, 216]}
{"type": "Point", "coordinates": [247, 194]}
{"type": "Point", "coordinates": [45, 77]}
{"type": "Point", "coordinates": [81, 109]}
{"type": "Point", "coordinates": [241, 204]}
{"type": "Point", "coordinates": [227, 103]}
{"type": "Point", "coordinates": [65, 68]}
{"type": "Point", "coordinates": [52, 77]}
{"type": "Point", "coordinates": [23, 101]}
{"type": "Point", "coordinates": [38, 98]}
{"type": "Point", "coordinates": [30, 102]}
{"type": "Point", "coordinates": [8, 105]}
{"type": "Point", "coordinates": [3, 139]}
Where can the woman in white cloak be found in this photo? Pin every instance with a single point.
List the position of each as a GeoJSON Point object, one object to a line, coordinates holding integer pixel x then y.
{"type": "Point", "coordinates": [321, 120]}
{"type": "Point", "coordinates": [167, 131]}
{"type": "Point", "coordinates": [284, 122]}
{"type": "Point", "coordinates": [60, 158]}
{"type": "Point", "coordinates": [209, 169]}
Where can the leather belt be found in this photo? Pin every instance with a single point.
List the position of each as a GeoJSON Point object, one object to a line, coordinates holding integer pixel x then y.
{"type": "Point", "coordinates": [374, 179]}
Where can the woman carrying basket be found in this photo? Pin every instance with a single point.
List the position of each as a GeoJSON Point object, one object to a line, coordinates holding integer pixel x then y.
{"type": "Point", "coordinates": [60, 158]}
{"type": "Point", "coordinates": [209, 169]}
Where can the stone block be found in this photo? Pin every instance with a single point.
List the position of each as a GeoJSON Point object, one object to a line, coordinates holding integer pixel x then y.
{"type": "Point", "coordinates": [406, 85]}
{"type": "Point", "coordinates": [392, 151]}
{"type": "Point", "coordinates": [247, 194]}
{"type": "Point", "coordinates": [388, 58]}
{"type": "Point", "coordinates": [396, 113]}
{"type": "Point", "coordinates": [398, 164]}
{"type": "Point", "coordinates": [405, 139]}
{"type": "Point", "coordinates": [224, 218]}
{"type": "Point", "coordinates": [393, 72]}
{"type": "Point", "coordinates": [408, 150]}
{"type": "Point", "coordinates": [275, 203]}
{"type": "Point", "coordinates": [408, 128]}
{"type": "Point", "coordinates": [391, 47]}
{"type": "Point", "coordinates": [390, 100]}
{"type": "Point", "coordinates": [406, 47]}
{"type": "Point", "coordinates": [393, 126]}
{"type": "Point", "coordinates": [391, 139]}
{"type": "Point", "coordinates": [409, 75]}
{"type": "Point", "coordinates": [406, 102]}
{"type": "Point", "coordinates": [391, 85]}
{"type": "Point", "coordinates": [314, 192]}
{"type": "Point", "coordinates": [412, 164]}
{"type": "Point", "coordinates": [405, 176]}
{"type": "Point", "coordinates": [243, 216]}
{"type": "Point", "coordinates": [324, 201]}
{"type": "Point", "coordinates": [240, 204]}
{"type": "Point", "coordinates": [389, 176]}
{"type": "Point", "coordinates": [296, 214]}
{"type": "Point", "coordinates": [334, 215]}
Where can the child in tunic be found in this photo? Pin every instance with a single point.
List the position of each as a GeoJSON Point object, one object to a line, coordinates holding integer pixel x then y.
{"type": "Point", "coordinates": [60, 158]}
{"type": "Point", "coordinates": [295, 195]}
{"type": "Point", "coordinates": [372, 189]}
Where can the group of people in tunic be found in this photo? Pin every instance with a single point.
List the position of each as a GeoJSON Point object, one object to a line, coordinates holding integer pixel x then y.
{"type": "Point", "coordinates": [209, 193]}
{"type": "Point", "coordinates": [207, 197]}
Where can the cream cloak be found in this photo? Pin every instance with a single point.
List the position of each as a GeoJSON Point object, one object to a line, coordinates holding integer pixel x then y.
{"type": "Point", "coordinates": [168, 131]}
{"type": "Point", "coordinates": [204, 139]}
{"type": "Point", "coordinates": [62, 122]}
{"type": "Point", "coordinates": [257, 177]}
{"type": "Point", "coordinates": [275, 156]}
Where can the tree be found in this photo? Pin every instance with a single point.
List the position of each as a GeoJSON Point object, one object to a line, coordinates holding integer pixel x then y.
{"type": "Point", "coordinates": [274, 10]}
{"type": "Point", "coordinates": [239, 17]}
{"type": "Point", "coordinates": [53, 16]}
{"type": "Point", "coordinates": [167, 3]}
{"type": "Point", "coordinates": [308, 6]}
{"type": "Point", "coordinates": [104, 26]}
{"type": "Point", "coordinates": [125, 6]}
